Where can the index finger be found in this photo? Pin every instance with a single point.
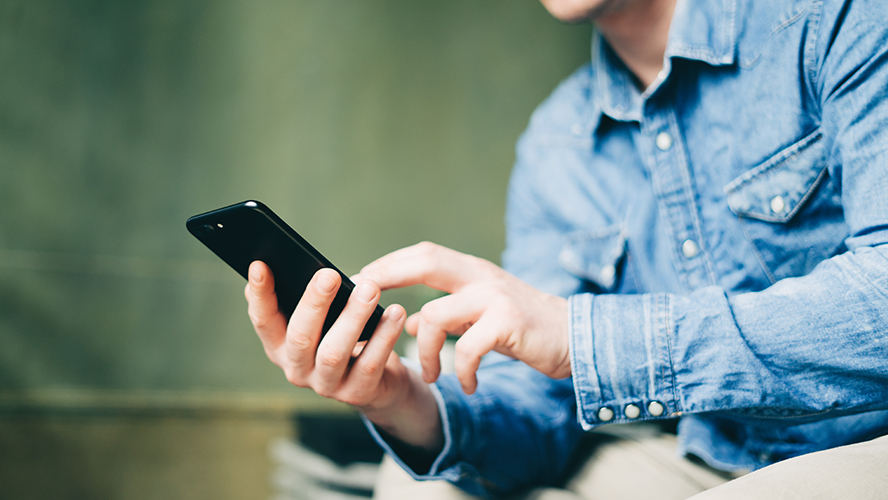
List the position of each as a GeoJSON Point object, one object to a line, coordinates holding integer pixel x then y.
{"type": "Point", "coordinates": [426, 264]}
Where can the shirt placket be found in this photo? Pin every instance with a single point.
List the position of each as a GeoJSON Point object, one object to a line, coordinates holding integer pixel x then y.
{"type": "Point", "coordinates": [676, 196]}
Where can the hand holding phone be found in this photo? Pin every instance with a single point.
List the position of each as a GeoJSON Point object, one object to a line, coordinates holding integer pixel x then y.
{"type": "Point", "coordinates": [249, 231]}
{"type": "Point", "coordinates": [292, 278]}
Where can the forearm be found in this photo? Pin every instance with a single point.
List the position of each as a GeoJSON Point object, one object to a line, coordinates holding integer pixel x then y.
{"type": "Point", "coordinates": [810, 348]}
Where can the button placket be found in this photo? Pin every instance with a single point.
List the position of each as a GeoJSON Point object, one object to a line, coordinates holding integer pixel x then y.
{"type": "Point", "coordinates": [663, 141]}
{"type": "Point", "coordinates": [673, 187]}
{"type": "Point", "coordinates": [689, 249]}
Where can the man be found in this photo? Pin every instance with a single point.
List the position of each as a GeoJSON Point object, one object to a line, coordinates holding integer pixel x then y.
{"type": "Point", "coordinates": [697, 228]}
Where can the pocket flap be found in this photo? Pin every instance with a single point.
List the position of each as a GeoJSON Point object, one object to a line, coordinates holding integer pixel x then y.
{"type": "Point", "coordinates": [775, 190]}
{"type": "Point", "coordinates": [594, 255]}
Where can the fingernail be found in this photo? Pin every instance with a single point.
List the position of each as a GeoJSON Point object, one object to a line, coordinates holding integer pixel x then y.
{"type": "Point", "coordinates": [365, 292]}
{"type": "Point", "coordinates": [394, 314]}
{"type": "Point", "coordinates": [325, 283]}
{"type": "Point", "coordinates": [254, 274]}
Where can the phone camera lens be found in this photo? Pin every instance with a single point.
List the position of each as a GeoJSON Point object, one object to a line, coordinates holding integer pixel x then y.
{"type": "Point", "coordinates": [206, 229]}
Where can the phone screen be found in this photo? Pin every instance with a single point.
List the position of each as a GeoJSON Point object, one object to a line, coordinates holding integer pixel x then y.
{"type": "Point", "coordinates": [244, 232]}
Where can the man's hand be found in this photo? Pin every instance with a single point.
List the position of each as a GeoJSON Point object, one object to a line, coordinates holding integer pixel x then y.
{"type": "Point", "coordinates": [491, 310]}
{"type": "Point", "coordinates": [335, 367]}
{"type": "Point", "coordinates": [369, 377]}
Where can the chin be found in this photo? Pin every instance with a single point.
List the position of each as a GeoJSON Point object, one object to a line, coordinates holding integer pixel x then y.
{"type": "Point", "coordinates": [577, 11]}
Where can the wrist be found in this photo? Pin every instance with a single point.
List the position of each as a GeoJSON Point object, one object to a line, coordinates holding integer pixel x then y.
{"type": "Point", "coordinates": [411, 418]}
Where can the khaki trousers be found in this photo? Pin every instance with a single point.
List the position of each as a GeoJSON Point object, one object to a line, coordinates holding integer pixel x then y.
{"type": "Point", "coordinates": [637, 462]}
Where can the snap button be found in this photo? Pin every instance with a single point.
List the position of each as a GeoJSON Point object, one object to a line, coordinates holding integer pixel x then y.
{"type": "Point", "coordinates": [608, 273]}
{"type": "Point", "coordinates": [664, 141]}
{"type": "Point", "coordinates": [777, 204]}
{"type": "Point", "coordinates": [605, 414]}
{"type": "Point", "coordinates": [631, 411]}
{"type": "Point", "coordinates": [689, 249]}
{"type": "Point", "coordinates": [655, 408]}
{"type": "Point", "coordinates": [577, 129]}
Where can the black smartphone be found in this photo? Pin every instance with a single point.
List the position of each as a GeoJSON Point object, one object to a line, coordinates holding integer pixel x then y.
{"type": "Point", "coordinates": [244, 232]}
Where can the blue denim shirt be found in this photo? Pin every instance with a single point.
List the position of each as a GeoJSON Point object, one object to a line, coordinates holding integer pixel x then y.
{"type": "Point", "coordinates": [721, 237]}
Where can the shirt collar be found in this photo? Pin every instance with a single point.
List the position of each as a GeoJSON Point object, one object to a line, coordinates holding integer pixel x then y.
{"type": "Point", "coordinates": [704, 30]}
{"type": "Point", "coordinates": [701, 30]}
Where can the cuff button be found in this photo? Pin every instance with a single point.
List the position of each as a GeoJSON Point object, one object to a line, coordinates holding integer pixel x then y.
{"type": "Point", "coordinates": [605, 414]}
{"type": "Point", "coordinates": [631, 411]}
{"type": "Point", "coordinates": [655, 408]}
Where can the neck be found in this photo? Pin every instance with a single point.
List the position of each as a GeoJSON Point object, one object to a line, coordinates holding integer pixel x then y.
{"type": "Point", "coordinates": [638, 33]}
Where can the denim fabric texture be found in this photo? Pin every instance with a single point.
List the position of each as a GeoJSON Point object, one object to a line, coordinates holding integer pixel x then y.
{"type": "Point", "coordinates": [722, 237]}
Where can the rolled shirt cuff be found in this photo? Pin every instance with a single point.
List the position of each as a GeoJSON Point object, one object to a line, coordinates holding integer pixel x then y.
{"type": "Point", "coordinates": [620, 358]}
{"type": "Point", "coordinates": [435, 471]}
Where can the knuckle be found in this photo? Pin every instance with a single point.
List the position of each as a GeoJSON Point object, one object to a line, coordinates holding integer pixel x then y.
{"type": "Point", "coordinates": [382, 274]}
{"type": "Point", "coordinates": [357, 312]}
{"type": "Point", "coordinates": [260, 321]}
{"type": "Point", "coordinates": [496, 289]}
{"type": "Point", "coordinates": [352, 398]}
{"type": "Point", "coordinates": [368, 368]}
{"type": "Point", "coordinates": [428, 343]}
{"type": "Point", "coordinates": [316, 302]}
{"type": "Point", "coordinates": [294, 376]}
{"type": "Point", "coordinates": [490, 267]}
{"type": "Point", "coordinates": [506, 309]}
{"type": "Point", "coordinates": [464, 350]}
{"type": "Point", "coordinates": [500, 287]}
{"type": "Point", "coordinates": [326, 392]}
{"type": "Point", "coordinates": [377, 272]}
{"type": "Point", "coordinates": [299, 342]}
{"type": "Point", "coordinates": [270, 354]}
{"type": "Point", "coordinates": [510, 309]}
{"type": "Point", "coordinates": [430, 358]}
{"type": "Point", "coordinates": [428, 250]}
{"type": "Point", "coordinates": [430, 311]}
{"type": "Point", "coordinates": [330, 357]}
{"type": "Point", "coordinates": [426, 246]}
{"type": "Point", "coordinates": [459, 330]}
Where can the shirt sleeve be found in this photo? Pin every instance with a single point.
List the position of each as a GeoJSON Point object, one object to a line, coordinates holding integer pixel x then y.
{"type": "Point", "coordinates": [811, 347]}
{"type": "Point", "coordinates": [518, 428]}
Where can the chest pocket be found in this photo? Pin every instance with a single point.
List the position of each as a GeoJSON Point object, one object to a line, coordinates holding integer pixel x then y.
{"type": "Point", "coordinates": [599, 258]}
{"type": "Point", "coordinates": [790, 209]}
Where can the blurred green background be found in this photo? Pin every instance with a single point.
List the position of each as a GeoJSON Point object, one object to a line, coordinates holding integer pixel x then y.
{"type": "Point", "coordinates": [128, 367]}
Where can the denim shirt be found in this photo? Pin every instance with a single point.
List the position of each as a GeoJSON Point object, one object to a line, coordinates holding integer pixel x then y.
{"type": "Point", "coordinates": [721, 237]}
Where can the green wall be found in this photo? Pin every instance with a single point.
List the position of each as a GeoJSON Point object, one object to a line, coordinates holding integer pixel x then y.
{"type": "Point", "coordinates": [368, 126]}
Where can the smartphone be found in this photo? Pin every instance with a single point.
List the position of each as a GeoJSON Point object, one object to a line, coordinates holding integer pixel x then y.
{"type": "Point", "coordinates": [244, 232]}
